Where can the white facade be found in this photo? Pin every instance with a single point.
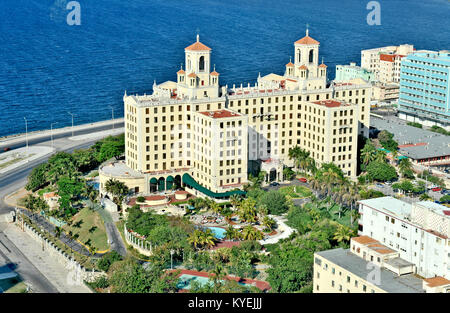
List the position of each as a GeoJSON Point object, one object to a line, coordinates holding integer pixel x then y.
{"type": "Point", "coordinates": [419, 232]}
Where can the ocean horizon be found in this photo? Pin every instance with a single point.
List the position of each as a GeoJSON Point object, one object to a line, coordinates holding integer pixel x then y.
{"type": "Point", "coordinates": [48, 68]}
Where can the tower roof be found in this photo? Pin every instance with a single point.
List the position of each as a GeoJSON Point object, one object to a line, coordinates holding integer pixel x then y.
{"type": "Point", "coordinates": [322, 65]}
{"type": "Point", "coordinates": [181, 72]}
{"type": "Point", "coordinates": [307, 40]}
{"type": "Point", "coordinates": [192, 75]}
{"type": "Point", "coordinates": [198, 46]}
{"type": "Point", "coordinates": [290, 64]}
{"type": "Point", "coordinates": [303, 67]}
{"type": "Point", "coordinates": [215, 73]}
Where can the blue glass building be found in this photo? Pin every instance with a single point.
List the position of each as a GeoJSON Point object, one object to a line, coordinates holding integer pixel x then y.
{"type": "Point", "coordinates": [425, 88]}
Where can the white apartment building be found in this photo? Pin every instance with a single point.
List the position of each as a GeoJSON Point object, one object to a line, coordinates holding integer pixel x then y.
{"type": "Point", "coordinates": [419, 232]}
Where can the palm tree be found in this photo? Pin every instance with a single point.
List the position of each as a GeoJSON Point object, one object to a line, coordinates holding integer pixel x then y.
{"type": "Point", "coordinates": [405, 166]}
{"type": "Point", "coordinates": [380, 156]}
{"type": "Point", "coordinates": [207, 238]}
{"type": "Point", "coordinates": [343, 234]}
{"type": "Point", "coordinates": [195, 238]}
{"type": "Point", "coordinates": [268, 222]}
{"type": "Point", "coordinates": [232, 233]}
{"type": "Point", "coordinates": [294, 154]}
{"type": "Point", "coordinates": [251, 233]}
{"type": "Point", "coordinates": [368, 153]}
{"type": "Point", "coordinates": [235, 200]}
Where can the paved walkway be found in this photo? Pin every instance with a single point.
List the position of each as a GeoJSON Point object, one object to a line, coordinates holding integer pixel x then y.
{"type": "Point", "coordinates": [114, 238]}
{"type": "Point", "coordinates": [49, 267]}
{"type": "Point", "coordinates": [283, 230]}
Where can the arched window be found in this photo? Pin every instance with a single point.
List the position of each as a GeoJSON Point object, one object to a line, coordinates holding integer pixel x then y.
{"type": "Point", "coordinates": [299, 55]}
{"type": "Point", "coordinates": [201, 64]}
{"type": "Point", "coordinates": [189, 63]}
{"type": "Point", "coordinates": [311, 56]}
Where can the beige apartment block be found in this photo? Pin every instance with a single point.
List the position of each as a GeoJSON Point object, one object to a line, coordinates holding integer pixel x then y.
{"type": "Point", "coordinates": [370, 267]}
{"type": "Point", "coordinates": [172, 133]}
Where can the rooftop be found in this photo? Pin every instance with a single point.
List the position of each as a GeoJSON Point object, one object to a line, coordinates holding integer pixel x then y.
{"type": "Point", "coordinates": [437, 281]}
{"type": "Point", "coordinates": [198, 46]}
{"type": "Point", "coordinates": [117, 169]}
{"type": "Point", "coordinates": [389, 281]}
{"type": "Point", "coordinates": [220, 113]}
{"type": "Point", "coordinates": [330, 103]}
{"type": "Point", "coordinates": [415, 143]}
{"type": "Point", "coordinates": [389, 205]}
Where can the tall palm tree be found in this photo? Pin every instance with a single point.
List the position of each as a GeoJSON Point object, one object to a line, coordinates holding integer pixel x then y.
{"type": "Point", "coordinates": [251, 233]}
{"type": "Point", "coordinates": [343, 234]}
{"type": "Point", "coordinates": [235, 200]}
{"type": "Point", "coordinates": [268, 222]}
{"type": "Point", "coordinates": [405, 166]}
{"type": "Point", "coordinates": [368, 153]}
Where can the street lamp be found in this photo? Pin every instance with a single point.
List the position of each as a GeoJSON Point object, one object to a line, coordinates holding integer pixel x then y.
{"type": "Point", "coordinates": [51, 131]}
{"type": "Point", "coordinates": [72, 121]}
{"type": "Point", "coordinates": [171, 258]}
{"type": "Point", "coordinates": [112, 114]}
{"type": "Point", "coordinates": [26, 132]}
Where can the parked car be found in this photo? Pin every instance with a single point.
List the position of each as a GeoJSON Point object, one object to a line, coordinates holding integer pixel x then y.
{"type": "Point", "coordinates": [273, 184]}
{"type": "Point", "coordinates": [436, 189]}
{"type": "Point", "coordinates": [303, 180]}
{"type": "Point", "coordinates": [388, 183]}
{"type": "Point", "coordinates": [6, 149]}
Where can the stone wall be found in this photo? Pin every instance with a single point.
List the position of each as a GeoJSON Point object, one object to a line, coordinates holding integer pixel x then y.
{"type": "Point", "coordinates": [62, 257]}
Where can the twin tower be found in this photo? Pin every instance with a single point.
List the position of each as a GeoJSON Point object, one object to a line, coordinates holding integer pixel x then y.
{"type": "Point", "coordinates": [197, 80]}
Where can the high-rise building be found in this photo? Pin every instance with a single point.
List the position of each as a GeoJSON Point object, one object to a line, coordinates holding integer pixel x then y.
{"type": "Point", "coordinates": [425, 88]}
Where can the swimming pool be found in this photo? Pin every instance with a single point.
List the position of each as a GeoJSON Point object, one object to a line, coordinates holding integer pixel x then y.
{"type": "Point", "coordinates": [218, 232]}
{"type": "Point", "coordinates": [185, 281]}
{"type": "Point", "coordinates": [95, 184]}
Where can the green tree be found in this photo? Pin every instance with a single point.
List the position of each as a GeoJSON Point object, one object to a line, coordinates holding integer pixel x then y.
{"type": "Point", "coordinates": [275, 201]}
{"type": "Point", "coordinates": [381, 171]}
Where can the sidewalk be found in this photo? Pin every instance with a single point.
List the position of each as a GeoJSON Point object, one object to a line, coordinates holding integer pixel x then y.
{"type": "Point", "coordinates": [50, 268]}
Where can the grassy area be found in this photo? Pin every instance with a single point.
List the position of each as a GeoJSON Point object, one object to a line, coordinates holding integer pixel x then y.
{"type": "Point", "coordinates": [295, 191]}
{"type": "Point", "coordinates": [13, 285]}
{"type": "Point", "coordinates": [90, 228]}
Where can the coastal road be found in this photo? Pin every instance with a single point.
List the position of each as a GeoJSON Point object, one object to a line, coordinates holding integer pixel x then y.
{"type": "Point", "coordinates": [14, 142]}
{"type": "Point", "coordinates": [12, 181]}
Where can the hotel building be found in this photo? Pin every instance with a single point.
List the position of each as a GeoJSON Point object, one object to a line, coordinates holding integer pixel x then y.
{"type": "Point", "coordinates": [194, 132]}
{"type": "Point", "coordinates": [425, 88]}
{"type": "Point", "coordinates": [419, 232]}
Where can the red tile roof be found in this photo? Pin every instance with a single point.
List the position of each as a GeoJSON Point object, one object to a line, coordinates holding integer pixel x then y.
{"type": "Point", "coordinates": [437, 281]}
{"type": "Point", "coordinates": [215, 73]}
{"type": "Point", "coordinates": [329, 103]}
{"type": "Point", "coordinates": [181, 72]}
{"type": "Point", "coordinates": [307, 41]}
{"type": "Point", "coordinates": [220, 114]}
{"type": "Point", "coordinates": [364, 239]}
{"type": "Point", "coordinates": [290, 64]}
{"type": "Point", "coordinates": [192, 75]}
{"type": "Point", "coordinates": [387, 57]}
{"type": "Point", "coordinates": [303, 67]}
{"type": "Point", "coordinates": [322, 65]}
{"type": "Point", "coordinates": [198, 46]}
{"type": "Point", "coordinates": [155, 198]}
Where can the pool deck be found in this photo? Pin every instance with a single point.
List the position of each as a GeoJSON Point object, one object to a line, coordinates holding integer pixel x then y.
{"type": "Point", "coordinates": [262, 285]}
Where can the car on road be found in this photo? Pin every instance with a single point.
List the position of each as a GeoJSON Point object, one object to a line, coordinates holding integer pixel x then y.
{"type": "Point", "coordinates": [274, 184]}
{"type": "Point", "coordinates": [436, 189]}
{"type": "Point", "coordinates": [6, 149]}
{"type": "Point", "coordinates": [303, 180]}
{"type": "Point", "coordinates": [379, 185]}
{"type": "Point", "coordinates": [388, 183]}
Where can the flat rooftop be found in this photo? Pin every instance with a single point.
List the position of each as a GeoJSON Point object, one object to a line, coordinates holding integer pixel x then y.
{"type": "Point", "coordinates": [119, 169]}
{"type": "Point", "coordinates": [389, 281]}
{"type": "Point", "coordinates": [415, 143]}
{"type": "Point", "coordinates": [331, 103]}
{"type": "Point", "coordinates": [435, 207]}
{"type": "Point", "coordinates": [389, 205]}
{"type": "Point", "coordinates": [220, 113]}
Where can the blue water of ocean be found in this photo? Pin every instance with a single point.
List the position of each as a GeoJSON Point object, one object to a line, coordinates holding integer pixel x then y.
{"type": "Point", "coordinates": [48, 68]}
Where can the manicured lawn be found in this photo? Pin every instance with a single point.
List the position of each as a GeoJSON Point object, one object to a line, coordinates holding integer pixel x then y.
{"type": "Point", "coordinates": [295, 191]}
{"type": "Point", "coordinates": [89, 219]}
